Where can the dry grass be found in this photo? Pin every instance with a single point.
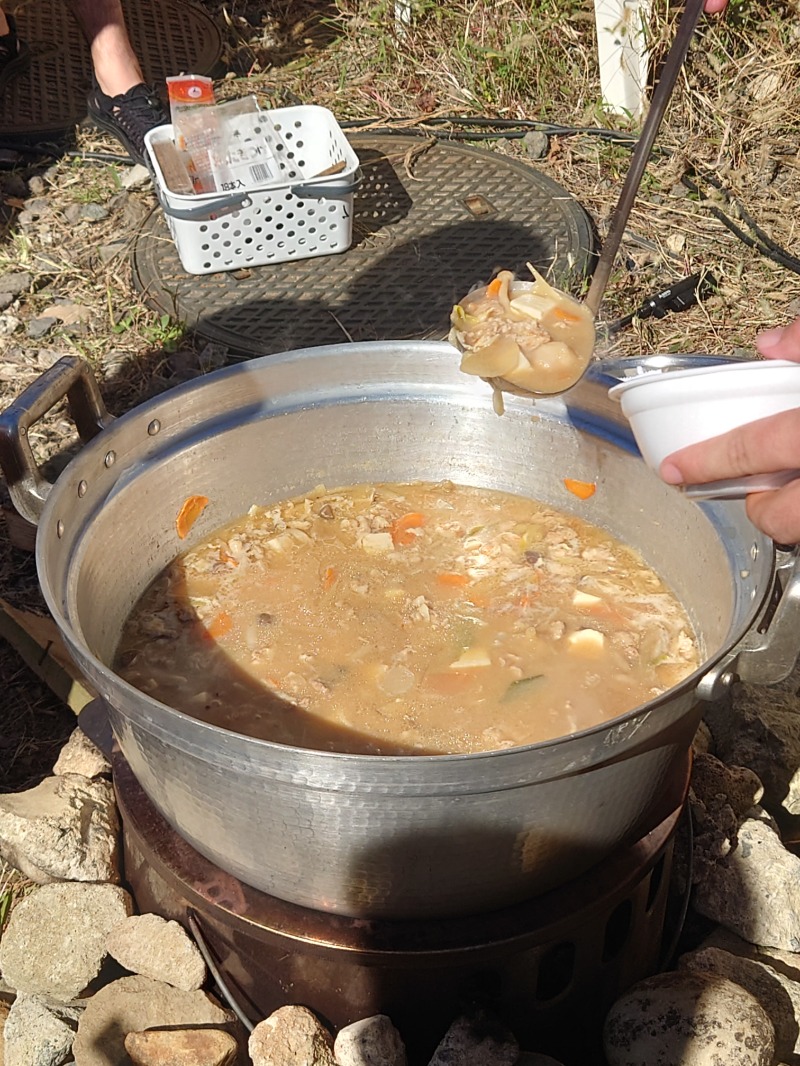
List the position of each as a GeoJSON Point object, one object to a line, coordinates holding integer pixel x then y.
{"type": "Point", "coordinates": [14, 886]}
{"type": "Point", "coordinates": [736, 116]}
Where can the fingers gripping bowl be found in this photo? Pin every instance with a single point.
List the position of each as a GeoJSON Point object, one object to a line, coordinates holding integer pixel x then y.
{"type": "Point", "coordinates": [671, 409]}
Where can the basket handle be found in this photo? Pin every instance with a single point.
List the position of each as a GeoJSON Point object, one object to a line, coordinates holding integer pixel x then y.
{"type": "Point", "coordinates": [319, 191]}
{"type": "Point", "coordinates": [205, 211]}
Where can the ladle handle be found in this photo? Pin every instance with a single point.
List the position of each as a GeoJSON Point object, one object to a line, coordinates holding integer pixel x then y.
{"type": "Point", "coordinates": [641, 154]}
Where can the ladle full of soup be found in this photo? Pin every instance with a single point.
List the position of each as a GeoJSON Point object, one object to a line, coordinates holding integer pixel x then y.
{"type": "Point", "coordinates": [525, 334]}
{"type": "Point", "coordinates": [528, 337]}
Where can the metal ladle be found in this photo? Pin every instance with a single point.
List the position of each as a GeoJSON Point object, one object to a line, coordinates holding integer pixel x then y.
{"type": "Point", "coordinates": [641, 154]}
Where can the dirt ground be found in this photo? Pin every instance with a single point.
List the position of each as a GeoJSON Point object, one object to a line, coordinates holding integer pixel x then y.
{"type": "Point", "coordinates": [721, 195]}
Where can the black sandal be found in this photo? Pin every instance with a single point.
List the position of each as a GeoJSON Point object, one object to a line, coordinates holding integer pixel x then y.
{"type": "Point", "coordinates": [15, 55]}
{"type": "Point", "coordinates": [128, 117]}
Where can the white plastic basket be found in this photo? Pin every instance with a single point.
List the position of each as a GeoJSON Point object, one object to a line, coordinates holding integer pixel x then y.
{"type": "Point", "coordinates": [304, 216]}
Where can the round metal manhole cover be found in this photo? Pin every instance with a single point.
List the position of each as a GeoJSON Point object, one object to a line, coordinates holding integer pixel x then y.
{"type": "Point", "coordinates": [430, 221]}
{"type": "Point", "coordinates": [168, 36]}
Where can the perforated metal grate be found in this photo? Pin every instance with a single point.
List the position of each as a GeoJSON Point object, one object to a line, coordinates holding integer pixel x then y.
{"type": "Point", "coordinates": [429, 223]}
{"type": "Point", "coordinates": [169, 36]}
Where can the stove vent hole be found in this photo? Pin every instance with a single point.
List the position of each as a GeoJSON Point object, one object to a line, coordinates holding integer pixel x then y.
{"type": "Point", "coordinates": [656, 878]}
{"type": "Point", "coordinates": [556, 971]}
{"type": "Point", "coordinates": [618, 929]}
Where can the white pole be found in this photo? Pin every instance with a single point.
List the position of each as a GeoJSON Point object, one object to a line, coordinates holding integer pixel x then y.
{"type": "Point", "coordinates": [622, 54]}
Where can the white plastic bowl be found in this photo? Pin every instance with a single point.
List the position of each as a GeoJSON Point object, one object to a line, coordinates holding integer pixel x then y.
{"type": "Point", "coordinates": [671, 409]}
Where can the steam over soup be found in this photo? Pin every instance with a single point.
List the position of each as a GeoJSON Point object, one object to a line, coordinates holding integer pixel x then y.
{"type": "Point", "coordinates": [407, 619]}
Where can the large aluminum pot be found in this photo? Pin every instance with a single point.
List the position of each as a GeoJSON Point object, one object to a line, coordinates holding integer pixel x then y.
{"type": "Point", "coordinates": [381, 836]}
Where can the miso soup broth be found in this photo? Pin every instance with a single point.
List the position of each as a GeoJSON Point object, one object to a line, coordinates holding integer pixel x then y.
{"type": "Point", "coordinates": [412, 618]}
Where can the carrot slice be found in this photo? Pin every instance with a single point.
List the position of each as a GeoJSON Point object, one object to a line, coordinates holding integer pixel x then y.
{"type": "Point", "coordinates": [329, 577]}
{"type": "Point", "coordinates": [582, 489]}
{"type": "Point", "coordinates": [452, 580]}
{"type": "Point", "coordinates": [450, 682]}
{"type": "Point", "coordinates": [219, 626]}
{"type": "Point", "coordinates": [494, 287]}
{"type": "Point", "coordinates": [190, 511]}
{"type": "Point", "coordinates": [564, 315]}
{"type": "Point", "coordinates": [401, 527]}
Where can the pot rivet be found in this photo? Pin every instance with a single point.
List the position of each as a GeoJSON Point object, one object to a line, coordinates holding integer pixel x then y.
{"type": "Point", "coordinates": [82, 487]}
{"type": "Point", "coordinates": [59, 529]}
{"type": "Point", "coordinates": [154, 427]}
{"type": "Point", "coordinates": [109, 459]}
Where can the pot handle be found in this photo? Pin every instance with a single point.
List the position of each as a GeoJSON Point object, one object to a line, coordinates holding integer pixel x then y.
{"type": "Point", "coordinates": [769, 652]}
{"type": "Point", "coordinates": [71, 377]}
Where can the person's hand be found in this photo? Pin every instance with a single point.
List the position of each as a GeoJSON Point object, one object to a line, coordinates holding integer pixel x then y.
{"type": "Point", "coordinates": [780, 343]}
{"type": "Point", "coordinates": [760, 447]}
{"type": "Point", "coordinates": [713, 7]}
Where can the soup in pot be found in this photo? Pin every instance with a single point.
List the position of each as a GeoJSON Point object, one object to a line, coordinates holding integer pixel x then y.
{"type": "Point", "coordinates": [414, 618]}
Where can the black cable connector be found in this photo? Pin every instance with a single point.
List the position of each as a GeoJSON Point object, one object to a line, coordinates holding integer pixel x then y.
{"type": "Point", "coordinates": [676, 297]}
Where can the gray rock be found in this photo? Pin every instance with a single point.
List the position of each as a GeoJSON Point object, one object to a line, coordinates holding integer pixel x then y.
{"type": "Point", "coordinates": [38, 206]}
{"type": "Point", "coordinates": [135, 177]}
{"type": "Point", "coordinates": [703, 743]}
{"type": "Point", "coordinates": [113, 249]}
{"type": "Point", "coordinates": [45, 264]}
{"type": "Point", "coordinates": [150, 946]}
{"type": "Point", "coordinates": [37, 185]}
{"type": "Point", "coordinates": [720, 797]}
{"type": "Point", "coordinates": [54, 943]}
{"type": "Point", "coordinates": [6, 300]}
{"type": "Point", "coordinates": [688, 1018]}
{"type": "Point", "coordinates": [537, 144]}
{"type": "Point", "coordinates": [80, 756]}
{"type": "Point", "coordinates": [134, 212]}
{"type": "Point", "coordinates": [8, 324]}
{"type": "Point", "coordinates": [36, 328]}
{"type": "Point", "coordinates": [182, 1047]}
{"type": "Point", "coordinates": [762, 731]}
{"type": "Point", "coordinates": [480, 1040]}
{"type": "Point", "coordinates": [36, 1034]}
{"type": "Point", "coordinates": [93, 213]}
{"type": "Point", "coordinates": [291, 1035]}
{"type": "Point", "coordinates": [213, 356]}
{"type": "Point", "coordinates": [16, 282]}
{"type": "Point", "coordinates": [66, 828]}
{"type": "Point", "coordinates": [133, 1005]}
{"type": "Point", "coordinates": [777, 993]}
{"type": "Point", "coordinates": [715, 783]}
{"type": "Point", "coordinates": [754, 890]}
{"type": "Point", "coordinates": [45, 358]}
{"type": "Point", "coordinates": [370, 1042]}
{"type": "Point", "coordinates": [72, 213]}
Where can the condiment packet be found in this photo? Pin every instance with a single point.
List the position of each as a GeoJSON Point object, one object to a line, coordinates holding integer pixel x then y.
{"type": "Point", "coordinates": [250, 150]}
{"type": "Point", "coordinates": [191, 103]}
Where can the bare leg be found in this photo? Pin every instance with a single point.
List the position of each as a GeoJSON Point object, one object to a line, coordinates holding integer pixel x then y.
{"type": "Point", "coordinates": [116, 67]}
{"type": "Point", "coordinates": [4, 27]}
